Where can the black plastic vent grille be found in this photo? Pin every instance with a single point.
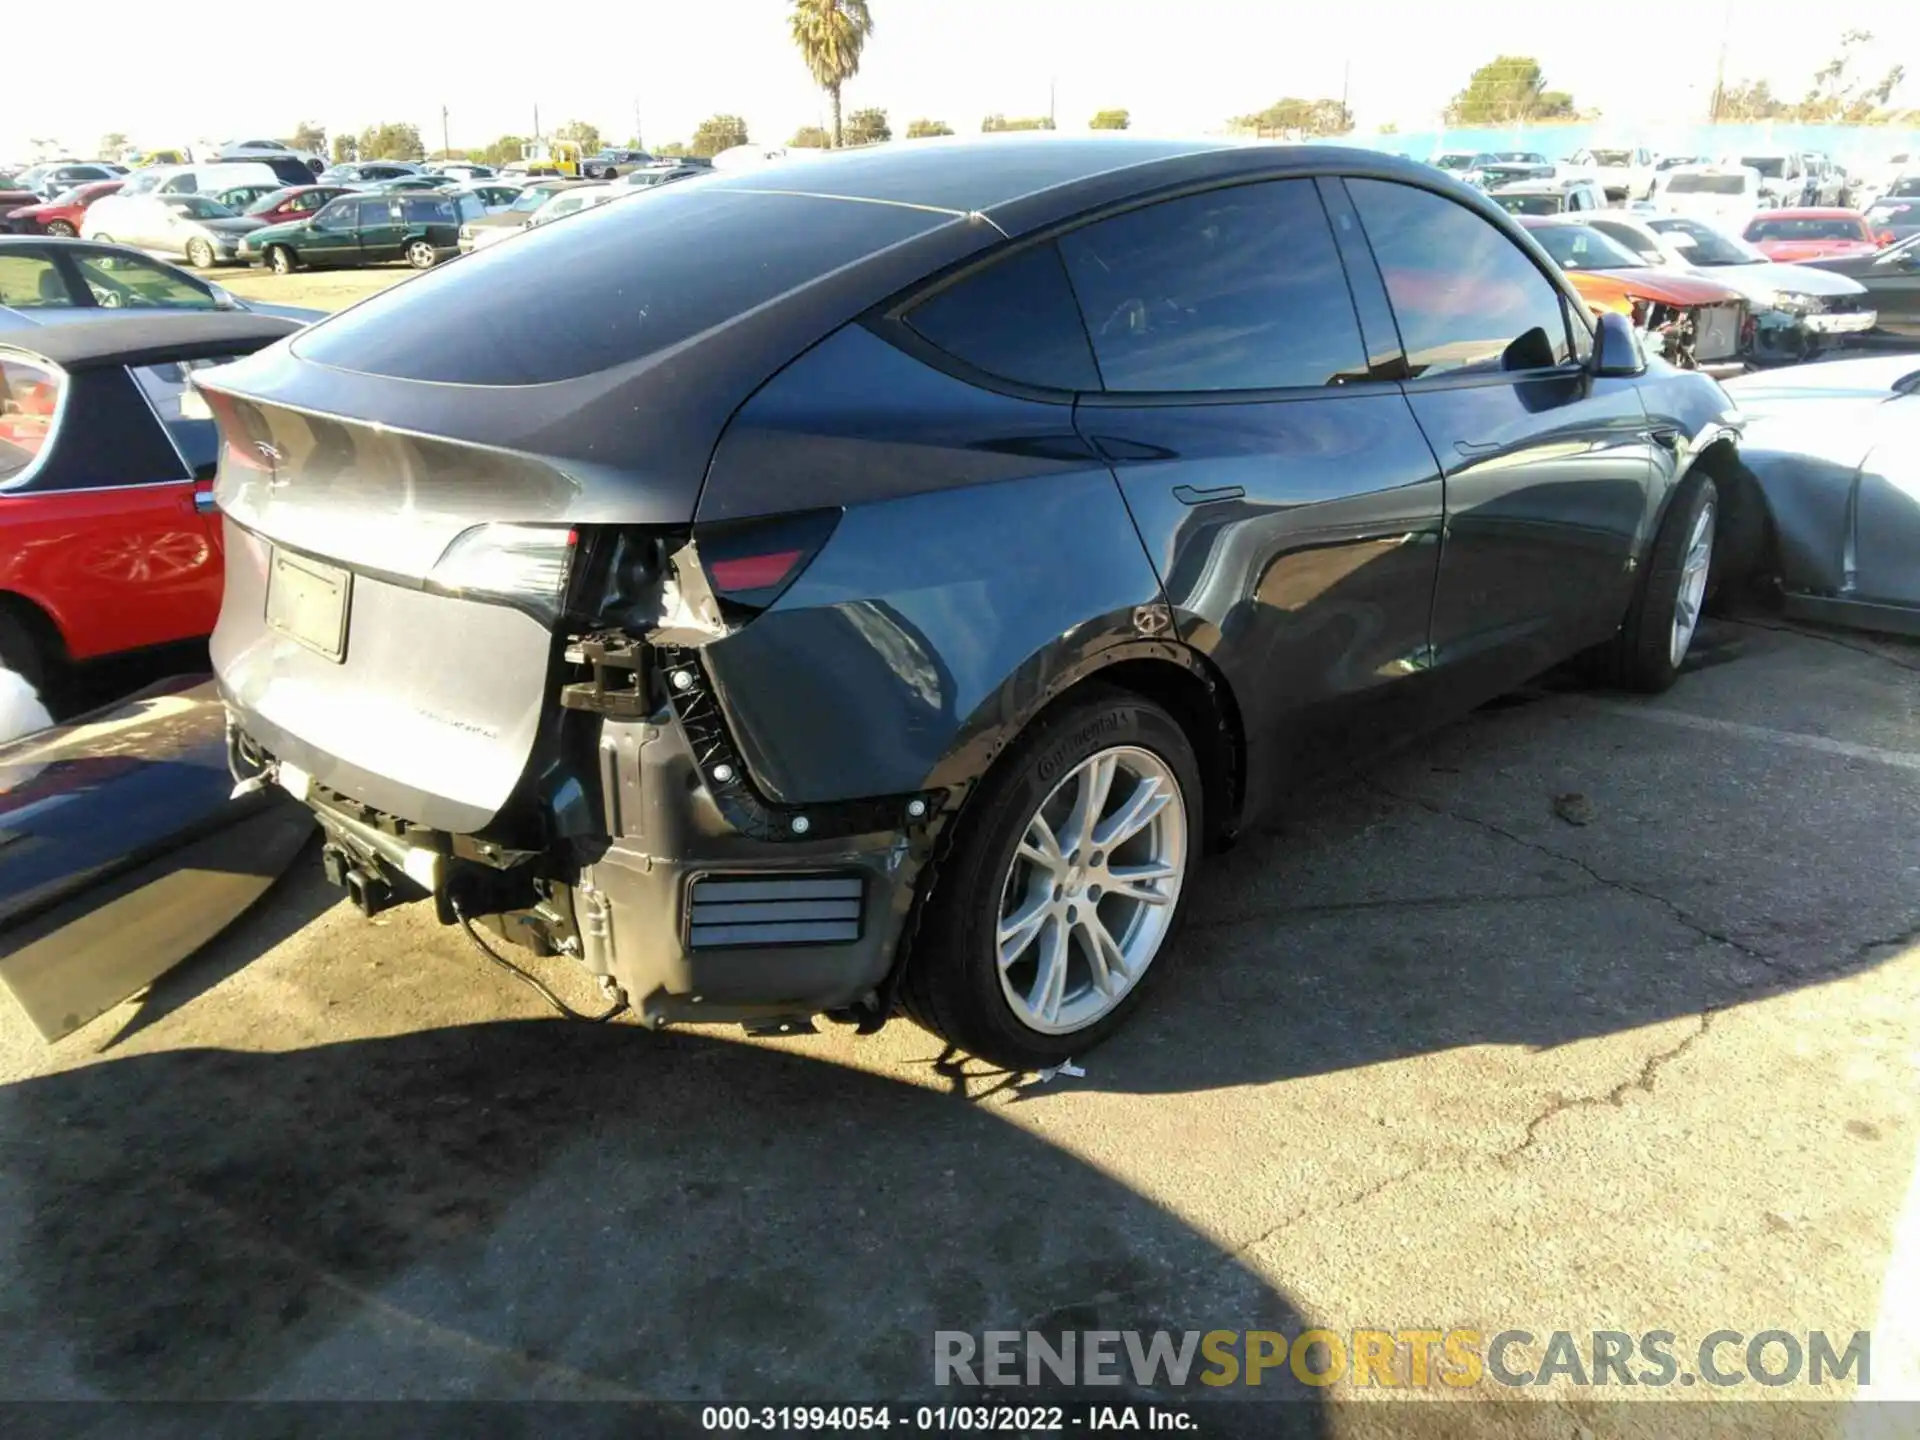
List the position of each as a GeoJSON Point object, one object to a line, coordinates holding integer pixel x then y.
{"type": "Point", "coordinates": [746, 911]}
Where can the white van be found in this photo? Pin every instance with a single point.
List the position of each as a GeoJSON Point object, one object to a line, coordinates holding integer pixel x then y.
{"type": "Point", "coordinates": [1726, 195]}
{"type": "Point", "coordinates": [192, 179]}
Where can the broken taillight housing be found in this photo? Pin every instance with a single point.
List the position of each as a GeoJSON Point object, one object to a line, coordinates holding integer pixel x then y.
{"type": "Point", "coordinates": [525, 566]}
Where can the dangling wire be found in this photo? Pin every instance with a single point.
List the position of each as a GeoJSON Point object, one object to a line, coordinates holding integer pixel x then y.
{"type": "Point", "coordinates": [526, 977]}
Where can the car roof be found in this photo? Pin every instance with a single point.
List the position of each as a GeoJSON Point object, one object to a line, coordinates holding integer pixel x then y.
{"type": "Point", "coordinates": [142, 339]}
{"type": "Point", "coordinates": [1809, 212]}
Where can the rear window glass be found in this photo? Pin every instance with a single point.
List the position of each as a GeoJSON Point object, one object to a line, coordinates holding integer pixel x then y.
{"type": "Point", "coordinates": [189, 424]}
{"type": "Point", "coordinates": [28, 395]}
{"type": "Point", "coordinates": [1707, 185]}
{"type": "Point", "coordinates": [429, 209]}
{"type": "Point", "coordinates": [1016, 319]}
{"type": "Point", "coordinates": [1832, 229]}
{"type": "Point", "coordinates": [639, 279]}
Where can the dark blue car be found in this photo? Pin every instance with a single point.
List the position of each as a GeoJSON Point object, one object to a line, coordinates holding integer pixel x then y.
{"type": "Point", "coordinates": [874, 582]}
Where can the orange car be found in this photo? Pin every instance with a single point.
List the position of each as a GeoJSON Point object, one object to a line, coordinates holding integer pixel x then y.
{"type": "Point", "coordinates": [1693, 321]}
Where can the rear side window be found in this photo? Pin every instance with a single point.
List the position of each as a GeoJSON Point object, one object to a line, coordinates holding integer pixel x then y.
{"type": "Point", "coordinates": [1016, 319]}
{"type": "Point", "coordinates": [31, 282]}
{"type": "Point", "coordinates": [189, 426]}
{"type": "Point", "coordinates": [29, 396]}
{"type": "Point", "coordinates": [426, 209]}
{"type": "Point", "coordinates": [1235, 289]}
{"type": "Point", "coordinates": [1467, 298]}
{"type": "Point", "coordinates": [641, 279]}
{"type": "Point", "coordinates": [133, 282]}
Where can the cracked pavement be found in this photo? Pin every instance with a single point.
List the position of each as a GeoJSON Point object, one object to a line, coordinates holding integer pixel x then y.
{"type": "Point", "coordinates": [1429, 1056]}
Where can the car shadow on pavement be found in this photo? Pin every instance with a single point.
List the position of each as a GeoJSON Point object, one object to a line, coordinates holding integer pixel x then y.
{"type": "Point", "coordinates": [300, 896]}
{"type": "Point", "coordinates": [1550, 870]}
{"type": "Point", "coordinates": [553, 1210]}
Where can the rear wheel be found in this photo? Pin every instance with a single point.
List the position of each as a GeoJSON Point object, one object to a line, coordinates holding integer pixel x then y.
{"type": "Point", "coordinates": [25, 650]}
{"type": "Point", "coordinates": [1042, 926]}
{"type": "Point", "coordinates": [421, 255]}
{"type": "Point", "coordinates": [200, 254]}
{"type": "Point", "coordinates": [281, 259]}
{"type": "Point", "coordinates": [1653, 642]}
{"type": "Point", "coordinates": [62, 228]}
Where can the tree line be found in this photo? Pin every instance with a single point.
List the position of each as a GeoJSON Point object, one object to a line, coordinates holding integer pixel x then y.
{"type": "Point", "coordinates": [831, 37]}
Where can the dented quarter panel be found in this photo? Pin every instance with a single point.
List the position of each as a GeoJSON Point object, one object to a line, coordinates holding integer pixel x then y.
{"type": "Point", "coordinates": [984, 547]}
{"type": "Point", "coordinates": [1688, 412]}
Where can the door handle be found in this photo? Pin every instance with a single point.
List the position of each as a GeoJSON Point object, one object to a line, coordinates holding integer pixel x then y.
{"type": "Point", "coordinates": [1187, 495]}
{"type": "Point", "coordinates": [1476, 447]}
{"type": "Point", "coordinates": [203, 502]}
{"type": "Point", "coordinates": [1667, 435]}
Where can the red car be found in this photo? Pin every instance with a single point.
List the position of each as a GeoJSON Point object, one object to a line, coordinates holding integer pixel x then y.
{"type": "Point", "coordinates": [60, 215]}
{"type": "Point", "coordinates": [108, 537]}
{"type": "Point", "coordinates": [1813, 234]}
{"type": "Point", "coordinates": [296, 202]}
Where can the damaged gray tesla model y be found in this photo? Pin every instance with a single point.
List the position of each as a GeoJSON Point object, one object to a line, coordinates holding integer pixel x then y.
{"type": "Point", "coordinates": [873, 582]}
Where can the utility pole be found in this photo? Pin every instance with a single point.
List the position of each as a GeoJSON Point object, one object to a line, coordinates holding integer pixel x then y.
{"type": "Point", "coordinates": [1052, 116]}
{"type": "Point", "coordinates": [638, 143]}
{"type": "Point", "coordinates": [536, 120]}
{"type": "Point", "coordinates": [1720, 71]}
{"type": "Point", "coordinates": [446, 150]}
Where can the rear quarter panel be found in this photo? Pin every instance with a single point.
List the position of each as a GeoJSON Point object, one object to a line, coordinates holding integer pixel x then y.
{"type": "Point", "coordinates": [984, 554]}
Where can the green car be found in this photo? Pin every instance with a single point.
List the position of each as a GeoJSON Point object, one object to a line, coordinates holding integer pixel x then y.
{"type": "Point", "coordinates": [362, 229]}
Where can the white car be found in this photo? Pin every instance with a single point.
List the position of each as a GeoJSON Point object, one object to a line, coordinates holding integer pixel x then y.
{"type": "Point", "coordinates": [1783, 176]}
{"type": "Point", "coordinates": [130, 211]}
{"type": "Point", "coordinates": [539, 209]}
{"type": "Point", "coordinates": [1624, 172]}
{"type": "Point", "coordinates": [195, 228]}
{"type": "Point", "coordinates": [1722, 195]}
{"type": "Point", "coordinates": [1549, 197]}
{"type": "Point", "coordinates": [1798, 311]}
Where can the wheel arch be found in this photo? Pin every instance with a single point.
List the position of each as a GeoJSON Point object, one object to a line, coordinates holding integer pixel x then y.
{"type": "Point", "coordinates": [1174, 676]}
{"type": "Point", "coordinates": [40, 623]}
{"type": "Point", "coordinates": [1743, 541]}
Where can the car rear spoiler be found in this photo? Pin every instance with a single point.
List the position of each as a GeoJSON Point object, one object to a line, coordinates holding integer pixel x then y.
{"type": "Point", "coordinates": [123, 850]}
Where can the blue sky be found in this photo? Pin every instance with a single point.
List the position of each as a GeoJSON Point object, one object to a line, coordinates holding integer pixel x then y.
{"type": "Point", "coordinates": [166, 80]}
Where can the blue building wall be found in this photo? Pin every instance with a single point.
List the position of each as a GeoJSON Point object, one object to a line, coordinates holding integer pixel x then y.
{"type": "Point", "coordinates": [1852, 145]}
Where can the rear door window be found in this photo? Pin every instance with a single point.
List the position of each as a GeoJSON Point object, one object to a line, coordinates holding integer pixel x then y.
{"type": "Point", "coordinates": [1016, 319]}
{"type": "Point", "coordinates": [29, 403]}
{"type": "Point", "coordinates": [134, 282]}
{"type": "Point", "coordinates": [32, 282]}
{"type": "Point", "coordinates": [1233, 289]}
{"type": "Point", "coordinates": [1466, 296]}
{"type": "Point", "coordinates": [188, 422]}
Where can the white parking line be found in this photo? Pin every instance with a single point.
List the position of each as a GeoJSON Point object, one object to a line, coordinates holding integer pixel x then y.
{"type": "Point", "coordinates": [1846, 749]}
{"type": "Point", "coordinates": [1896, 1335]}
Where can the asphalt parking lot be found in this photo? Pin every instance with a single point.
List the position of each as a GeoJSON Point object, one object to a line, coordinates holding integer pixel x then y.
{"type": "Point", "coordinates": [1586, 1013]}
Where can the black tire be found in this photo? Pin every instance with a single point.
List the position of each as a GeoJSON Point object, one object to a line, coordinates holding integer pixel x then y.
{"type": "Point", "coordinates": [951, 984]}
{"type": "Point", "coordinates": [1640, 657]}
{"type": "Point", "coordinates": [200, 254]}
{"type": "Point", "coordinates": [282, 260]}
{"type": "Point", "coordinates": [26, 651]}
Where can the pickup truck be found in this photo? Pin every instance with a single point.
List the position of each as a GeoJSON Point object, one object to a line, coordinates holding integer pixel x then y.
{"type": "Point", "coordinates": [1625, 173]}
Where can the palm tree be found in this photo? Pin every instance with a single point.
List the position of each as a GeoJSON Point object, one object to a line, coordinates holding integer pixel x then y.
{"type": "Point", "coordinates": [831, 34]}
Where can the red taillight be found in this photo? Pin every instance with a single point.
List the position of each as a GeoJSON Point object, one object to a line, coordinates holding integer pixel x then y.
{"type": "Point", "coordinates": [754, 572]}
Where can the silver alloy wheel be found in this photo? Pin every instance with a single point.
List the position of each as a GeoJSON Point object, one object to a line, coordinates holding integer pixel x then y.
{"type": "Point", "coordinates": [200, 255]}
{"type": "Point", "coordinates": [282, 260]}
{"type": "Point", "coordinates": [59, 227]}
{"type": "Point", "coordinates": [1092, 889]}
{"type": "Point", "coordinates": [420, 255]}
{"type": "Point", "coordinates": [1693, 584]}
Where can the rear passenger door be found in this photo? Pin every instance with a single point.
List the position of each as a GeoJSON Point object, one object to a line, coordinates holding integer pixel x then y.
{"type": "Point", "coordinates": [1275, 472]}
{"type": "Point", "coordinates": [381, 229]}
{"type": "Point", "coordinates": [1549, 471]}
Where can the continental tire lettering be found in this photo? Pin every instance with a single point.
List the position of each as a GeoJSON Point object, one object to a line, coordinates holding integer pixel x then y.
{"type": "Point", "coordinates": [1057, 758]}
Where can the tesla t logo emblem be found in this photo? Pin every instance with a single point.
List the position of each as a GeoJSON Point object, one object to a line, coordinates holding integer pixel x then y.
{"type": "Point", "coordinates": [1152, 619]}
